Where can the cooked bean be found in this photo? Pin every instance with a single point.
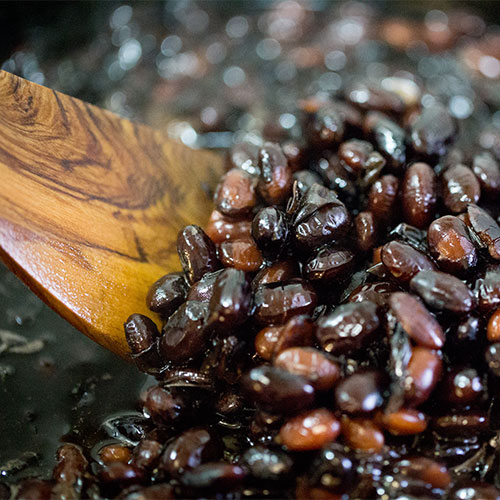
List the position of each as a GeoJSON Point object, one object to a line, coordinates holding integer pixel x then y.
{"type": "Point", "coordinates": [275, 181]}
{"type": "Point", "coordinates": [310, 430]}
{"type": "Point", "coordinates": [265, 341]}
{"type": "Point", "coordinates": [221, 228]}
{"type": "Point", "coordinates": [278, 391]}
{"type": "Point", "coordinates": [265, 464]}
{"type": "Point", "coordinates": [122, 474]}
{"type": "Point", "coordinates": [418, 193]}
{"type": "Point", "coordinates": [325, 128]}
{"type": "Point", "coordinates": [493, 329]}
{"type": "Point", "coordinates": [270, 230]}
{"type": "Point", "coordinates": [450, 245]}
{"type": "Point", "coordinates": [328, 265]}
{"type": "Point", "coordinates": [114, 453]}
{"type": "Point", "coordinates": [404, 421]}
{"type": "Point", "coordinates": [165, 405]}
{"type": "Point", "coordinates": [486, 228]}
{"type": "Point", "coordinates": [366, 231]}
{"type": "Point", "coordinates": [242, 254]}
{"type": "Point", "coordinates": [362, 434]}
{"type": "Point", "coordinates": [426, 469]}
{"type": "Point", "coordinates": [315, 366]}
{"type": "Point", "coordinates": [461, 385]}
{"type": "Point", "coordinates": [443, 291]}
{"type": "Point", "coordinates": [284, 270]}
{"type": "Point", "coordinates": [202, 290]}
{"type": "Point", "coordinates": [418, 323]}
{"type": "Point", "coordinates": [474, 490]}
{"type": "Point", "coordinates": [197, 253]}
{"type": "Point", "coordinates": [236, 194]}
{"type": "Point", "coordinates": [460, 187]}
{"type": "Point", "coordinates": [219, 475]}
{"type": "Point", "coordinates": [147, 453]}
{"type": "Point", "coordinates": [360, 393]}
{"type": "Point", "coordinates": [141, 333]}
{"type": "Point", "coordinates": [461, 424]}
{"type": "Point", "coordinates": [71, 464]}
{"type": "Point", "coordinates": [424, 370]}
{"type": "Point", "coordinates": [297, 331]}
{"type": "Point", "coordinates": [167, 294]}
{"type": "Point", "coordinates": [488, 289]}
{"type": "Point", "coordinates": [487, 170]}
{"type": "Point", "coordinates": [349, 327]}
{"type": "Point", "coordinates": [354, 154]}
{"type": "Point", "coordinates": [372, 97]}
{"type": "Point", "coordinates": [382, 198]}
{"type": "Point", "coordinates": [378, 293]}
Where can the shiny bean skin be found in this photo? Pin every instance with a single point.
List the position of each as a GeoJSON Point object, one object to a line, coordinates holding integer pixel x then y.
{"type": "Point", "coordinates": [275, 303]}
{"type": "Point", "coordinates": [362, 434]}
{"type": "Point", "coordinates": [360, 393]}
{"type": "Point", "coordinates": [461, 424]}
{"type": "Point", "coordinates": [492, 358]}
{"type": "Point", "coordinates": [366, 231]}
{"type": "Point", "coordinates": [433, 131]}
{"type": "Point", "coordinates": [221, 228]}
{"type": "Point", "coordinates": [418, 192]}
{"type": "Point", "coordinates": [276, 177]}
{"type": "Point", "coordinates": [141, 333]}
{"type": "Point", "coordinates": [71, 464]}
{"type": "Point", "coordinates": [461, 385]}
{"type": "Point", "coordinates": [348, 327]}
{"type": "Point", "coordinates": [424, 370]}
{"type": "Point", "coordinates": [315, 366]}
{"type": "Point", "coordinates": [416, 320]}
{"type": "Point", "coordinates": [236, 194]}
{"type": "Point", "coordinates": [165, 406]}
{"type": "Point", "coordinates": [460, 187]}
{"type": "Point", "coordinates": [451, 246]}
{"type": "Point", "coordinates": [231, 298]}
{"type": "Point", "coordinates": [167, 294]}
{"type": "Point", "coordinates": [265, 464]}
{"type": "Point", "coordinates": [493, 328]}
{"type": "Point", "coordinates": [297, 331]}
{"type": "Point", "coordinates": [189, 450]}
{"type": "Point", "coordinates": [487, 171]}
{"type": "Point", "coordinates": [243, 155]}
{"type": "Point", "coordinates": [242, 254]}
{"type": "Point", "coordinates": [202, 290]}
{"type": "Point", "coordinates": [277, 391]}
{"type": "Point", "coordinates": [371, 97]}
{"type": "Point", "coordinates": [122, 474]}
{"type": "Point", "coordinates": [443, 291]}
{"type": "Point", "coordinates": [474, 490]}
{"type": "Point", "coordinates": [354, 153]}
{"type": "Point", "coordinates": [265, 341]}
{"type": "Point", "coordinates": [270, 230]}
{"type": "Point", "coordinates": [405, 421]}
{"type": "Point", "coordinates": [486, 228]}
{"type": "Point", "coordinates": [488, 290]}
{"type": "Point", "coordinates": [329, 265]}
{"type": "Point", "coordinates": [378, 293]}
{"type": "Point", "coordinates": [147, 453]}
{"type": "Point", "coordinates": [382, 198]}
{"type": "Point", "coordinates": [185, 334]}
{"type": "Point", "coordinates": [218, 475]}
{"type": "Point", "coordinates": [403, 261]}
{"type": "Point", "coordinates": [114, 453]}
{"type": "Point", "coordinates": [284, 270]}
{"type": "Point", "coordinates": [197, 253]}
{"type": "Point", "coordinates": [325, 128]}
{"type": "Point", "coordinates": [430, 471]}
{"type": "Point", "coordinates": [310, 430]}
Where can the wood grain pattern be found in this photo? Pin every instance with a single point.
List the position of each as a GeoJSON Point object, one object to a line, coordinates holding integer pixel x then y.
{"type": "Point", "coordinates": [91, 204]}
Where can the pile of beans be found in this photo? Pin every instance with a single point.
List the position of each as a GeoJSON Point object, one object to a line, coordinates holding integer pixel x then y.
{"type": "Point", "coordinates": [334, 330]}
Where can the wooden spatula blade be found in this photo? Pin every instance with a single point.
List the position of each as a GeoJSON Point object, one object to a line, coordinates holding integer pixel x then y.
{"type": "Point", "coordinates": [91, 204]}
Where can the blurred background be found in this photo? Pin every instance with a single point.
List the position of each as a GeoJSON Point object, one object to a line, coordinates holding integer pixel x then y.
{"type": "Point", "coordinates": [209, 73]}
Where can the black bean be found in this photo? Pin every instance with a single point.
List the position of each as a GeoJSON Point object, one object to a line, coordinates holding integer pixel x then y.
{"type": "Point", "coordinates": [459, 188]}
{"type": "Point", "coordinates": [236, 193]}
{"type": "Point", "coordinates": [486, 228]}
{"type": "Point", "coordinates": [265, 464]}
{"type": "Point", "coordinates": [325, 128]}
{"type": "Point", "coordinates": [329, 264]}
{"type": "Point", "coordinates": [202, 290]}
{"type": "Point", "coordinates": [165, 405]}
{"type": "Point", "coordinates": [360, 393]}
{"type": "Point", "coordinates": [219, 475]}
{"type": "Point", "coordinates": [270, 230]}
{"type": "Point", "coordinates": [167, 294]}
{"type": "Point", "coordinates": [141, 333]}
{"type": "Point", "coordinates": [275, 181]}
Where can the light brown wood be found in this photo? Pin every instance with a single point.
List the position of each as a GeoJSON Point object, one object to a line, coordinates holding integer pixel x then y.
{"type": "Point", "coordinates": [91, 204]}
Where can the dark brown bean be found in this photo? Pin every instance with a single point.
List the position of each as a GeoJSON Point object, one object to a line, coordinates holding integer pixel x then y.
{"type": "Point", "coordinates": [315, 366]}
{"type": "Point", "coordinates": [236, 193]}
{"type": "Point", "coordinates": [230, 301]}
{"type": "Point", "coordinates": [362, 434]}
{"type": "Point", "coordinates": [277, 391]}
{"type": "Point", "coordinates": [474, 490]}
{"type": "Point", "coordinates": [270, 230]}
{"type": "Point", "coordinates": [221, 228]}
{"type": "Point", "coordinates": [202, 290]}
{"type": "Point", "coordinates": [71, 464]}
{"type": "Point", "coordinates": [147, 453]}
{"type": "Point", "coordinates": [328, 265]}
{"type": "Point", "coordinates": [488, 289]}
{"type": "Point", "coordinates": [165, 406]}
{"type": "Point", "coordinates": [389, 138]}
{"type": "Point", "coordinates": [141, 333]}
{"type": "Point", "coordinates": [416, 320]}
{"type": "Point", "coordinates": [349, 327]}
{"type": "Point", "coordinates": [189, 450]}
{"type": "Point", "coordinates": [265, 464]}
{"type": "Point", "coordinates": [265, 341]}
{"type": "Point", "coordinates": [217, 475]}
{"type": "Point", "coordinates": [325, 127]}
{"type": "Point", "coordinates": [242, 254]}
{"type": "Point", "coordinates": [487, 170]}
{"type": "Point", "coordinates": [426, 469]}
{"type": "Point", "coordinates": [167, 294]}
{"type": "Point", "coordinates": [382, 198]}
{"type": "Point", "coordinates": [366, 231]}
{"type": "Point", "coordinates": [405, 421]}
{"type": "Point", "coordinates": [354, 153]}
{"type": "Point", "coordinates": [370, 97]}
{"type": "Point", "coordinates": [161, 491]}
{"type": "Point", "coordinates": [460, 187]}
{"type": "Point", "coordinates": [403, 261]}
{"type": "Point", "coordinates": [310, 430]}
{"type": "Point", "coordinates": [297, 331]}
{"type": "Point", "coordinates": [424, 370]}
{"type": "Point", "coordinates": [276, 303]}
{"type": "Point", "coordinates": [197, 253]}
{"type": "Point", "coordinates": [360, 393]}
{"type": "Point", "coordinates": [492, 357]}
{"type": "Point", "coordinates": [321, 218]}
{"type": "Point", "coordinates": [493, 328]}
{"type": "Point", "coordinates": [433, 131]}
{"type": "Point", "coordinates": [450, 245]}
{"type": "Point", "coordinates": [486, 228]}
{"type": "Point", "coordinates": [378, 293]}
{"type": "Point", "coordinates": [122, 474]}
{"type": "Point", "coordinates": [34, 489]}
{"type": "Point", "coordinates": [275, 181]}
{"type": "Point", "coordinates": [283, 270]}
{"type": "Point", "coordinates": [443, 291]}
{"type": "Point", "coordinates": [461, 386]}
{"type": "Point", "coordinates": [186, 333]}
{"type": "Point", "coordinates": [418, 192]}
{"type": "Point", "coordinates": [461, 424]}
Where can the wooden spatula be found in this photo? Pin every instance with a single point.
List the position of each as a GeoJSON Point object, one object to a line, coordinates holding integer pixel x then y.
{"type": "Point", "coordinates": [91, 204]}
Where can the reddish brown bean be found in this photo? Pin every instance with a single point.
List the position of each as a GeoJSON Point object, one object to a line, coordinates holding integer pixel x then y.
{"type": "Point", "coordinates": [451, 246]}
{"type": "Point", "coordinates": [486, 228]}
{"type": "Point", "coordinates": [366, 231]}
{"type": "Point", "coordinates": [297, 331]}
{"type": "Point", "coordinates": [461, 385]}
{"type": "Point", "coordinates": [276, 177]}
{"type": "Point", "coordinates": [147, 453]}
{"type": "Point", "coordinates": [354, 154]}
{"type": "Point", "coordinates": [328, 265]}
{"type": "Point", "coordinates": [361, 392]}
{"type": "Point", "coordinates": [236, 193]}
{"type": "Point", "coordinates": [378, 293]}
{"type": "Point", "coordinates": [405, 421]}
{"type": "Point", "coordinates": [403, 261]}
{"type": "Point", "coordinates": [310, 430]}
{"type": "Point", "coordinates": [167, 294]}
{"type": "Point", "coordinates": [487, 170]}
{"type": "Point", "coordinates": [487, 288]}
{"type": "Point", "coordinates": [362, 434]}
{"type": "Point", "coordinates": [418, 193]}
{"type": "Point", "coordinates": [221, 228]}
{"type": "Point", "coordinates": [242, 254]}
{"type": "Point", "coordinates": [427, 470]}
{"type": "Point", "coordinates": [424, 370]}
{"type": "Point", "coordinates": [460, 187]}
{"type": "Point", "coordinates": [279, 271]}
{"type": "Point", "coordinates": [265, 341]}
{"type": "Point", "coordinates": [461, 424]}
{"type": "Point", "coordinates": [382, 198]}
{"type": "Point", "coordinates": [115, 453]}
{"type": "Point", "coordinates": [141, 333]}
{"type": "Point", "coordinates": [493, 329]}
{"type": "Point", "coordinates": [417, 321]}
{"type": "Point", "coordinates": [312, 364]}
